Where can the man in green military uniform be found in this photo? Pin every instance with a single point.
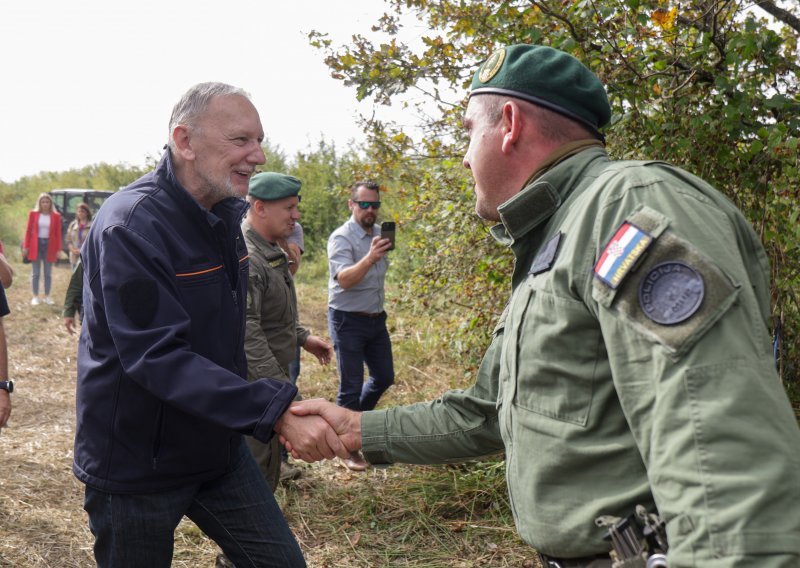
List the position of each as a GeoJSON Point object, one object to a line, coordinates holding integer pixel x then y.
{"type": "Point", "coordinates": [73, 298]}
{"type": "Point", "coordinates": [273, 331]}
{"type": "Point", "coordinates": [632, 365]}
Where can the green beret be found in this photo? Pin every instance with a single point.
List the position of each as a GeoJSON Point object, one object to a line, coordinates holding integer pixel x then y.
{"type": "Point", "coordinates": [547, 77]}
{"type": "Point", "coordinates": [269, 186]}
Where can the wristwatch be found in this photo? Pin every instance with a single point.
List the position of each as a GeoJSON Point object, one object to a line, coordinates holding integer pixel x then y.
{"type": "Point", "coordinates": [7, 386]}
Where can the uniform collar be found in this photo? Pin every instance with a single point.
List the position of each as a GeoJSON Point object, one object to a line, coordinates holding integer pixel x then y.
{"type": "Point", "coordinates": [545, 190]}
{"type": "Point", "coordinates": [256, 237]}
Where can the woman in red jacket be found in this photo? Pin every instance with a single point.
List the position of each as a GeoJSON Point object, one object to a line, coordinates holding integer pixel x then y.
{"type": "Point", "coordinates": [41, 244]}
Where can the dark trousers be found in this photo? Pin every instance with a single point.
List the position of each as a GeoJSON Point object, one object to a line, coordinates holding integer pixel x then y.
{"type": "Point", "coordinates": [359, 339]}
{"type": "Point", "coordinates": [237, 511]}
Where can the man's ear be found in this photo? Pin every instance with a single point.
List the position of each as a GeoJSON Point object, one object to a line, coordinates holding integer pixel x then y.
{"type": "Point", "coordinates": [511, 125]}
{"type": "Point", "coordinates": [256, 206]}
{"type": "Point", "coordinates": [183, 142]}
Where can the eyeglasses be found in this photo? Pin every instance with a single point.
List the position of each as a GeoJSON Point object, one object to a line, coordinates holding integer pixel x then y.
{"type": "Point", "coordinates": [368, 204]}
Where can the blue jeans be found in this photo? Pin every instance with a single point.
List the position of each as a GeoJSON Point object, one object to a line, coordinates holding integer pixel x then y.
{"type": "Point", "coordinates": [359, 339]}
{"type": "Point", "coordinates": [237, 511]}
{"type": "Point", "coordinates": [36, 269]}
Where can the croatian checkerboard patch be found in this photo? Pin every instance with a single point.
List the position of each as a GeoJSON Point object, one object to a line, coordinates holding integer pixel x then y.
{"type": "Point", "coordinates": [621, 254]}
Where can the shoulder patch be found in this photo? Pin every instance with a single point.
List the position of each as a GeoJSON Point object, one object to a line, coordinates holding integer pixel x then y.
{"type": "Point", "coordinates": [139, 298]}
{"type": "Point", "coordinates": [674, 296]}
{"type": "Point", "coordinates": [671, 292]}
{"type": "Point", "coordinates": [621, 253]}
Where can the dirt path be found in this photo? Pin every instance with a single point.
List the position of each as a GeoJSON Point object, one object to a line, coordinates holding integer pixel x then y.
{"type": "Point", "coordinates": [41, 519]}
{"type": "Point", "coordinates": [402, 516]}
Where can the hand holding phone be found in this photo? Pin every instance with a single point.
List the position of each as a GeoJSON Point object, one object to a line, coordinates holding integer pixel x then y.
{"type": "Point", "coordinates": [387, 232]}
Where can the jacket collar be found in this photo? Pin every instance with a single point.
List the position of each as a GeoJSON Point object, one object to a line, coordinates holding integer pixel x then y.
{"type": "Point", "coordinates": [545, 190]}
{"type": "Point", "coordinates": [231, 210]}
{"type": "Point", "coordinates": [253, 235]}
{"type": "Point", "coordinates": [358, 230]}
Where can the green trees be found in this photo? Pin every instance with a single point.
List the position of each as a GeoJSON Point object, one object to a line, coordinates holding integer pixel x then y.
{"type": "Point", "coordinates": [710, 85]}
{"type": "Point", "coordinates": [325, 173]}
{"type": "Point", "coordinates": [17, 198]}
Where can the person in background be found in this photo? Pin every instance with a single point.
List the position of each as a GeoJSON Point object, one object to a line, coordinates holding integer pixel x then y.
{"type": "Point", "coordinates": [6, 385]}
{"type": "Point", "coordinates": [73, 299]}
{"type": "Point", "coordinates": [631, 374]}
{"type": "Point", "coordinates": [77, 231]}
{"type": "Point", "coordinates": [273, 330]}
{"type": "Point", "coordinates": [356, 319]}
{"type": "Point", "coordinates": [294, 247]}
{"type": "Point", "coordinates": [6, 271]}
{"type": "Point", "coordinates": [41, 245]}
{"type": "Point", "coordinates": [163, 401]}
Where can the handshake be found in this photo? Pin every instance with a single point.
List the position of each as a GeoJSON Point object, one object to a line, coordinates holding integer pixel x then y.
{"type": "Point", "coordinates": [315, 429]}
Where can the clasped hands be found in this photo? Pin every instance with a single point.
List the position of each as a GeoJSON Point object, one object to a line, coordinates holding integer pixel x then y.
{"type": "Point", "coordinates": [316, 429]}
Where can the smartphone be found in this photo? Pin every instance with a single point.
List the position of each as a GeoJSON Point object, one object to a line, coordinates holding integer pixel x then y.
{"type": "Point", "coordinates": [387, 232]}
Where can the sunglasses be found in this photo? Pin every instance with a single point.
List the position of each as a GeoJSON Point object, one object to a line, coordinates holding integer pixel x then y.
{"type": "Point", "coordinates": [368, 204]}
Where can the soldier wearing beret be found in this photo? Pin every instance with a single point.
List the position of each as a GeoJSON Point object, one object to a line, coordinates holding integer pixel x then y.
{"type": "Point", "coordinates": [631, 370]}
{"type": "Point", "coordinates": [273, 330]}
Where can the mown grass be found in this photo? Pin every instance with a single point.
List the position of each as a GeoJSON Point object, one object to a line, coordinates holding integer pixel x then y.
{"type": "Point", "coordinates": [420, 516]}
{"type": "Point", "coordinates": [425, 516]}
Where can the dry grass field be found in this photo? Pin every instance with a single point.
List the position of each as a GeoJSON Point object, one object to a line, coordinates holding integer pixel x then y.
{"type": "Point", "coordinates": [455, 516]}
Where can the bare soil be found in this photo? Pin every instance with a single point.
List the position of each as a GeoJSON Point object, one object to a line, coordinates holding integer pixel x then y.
{"type": "Point", "coordinates": [401, 516]}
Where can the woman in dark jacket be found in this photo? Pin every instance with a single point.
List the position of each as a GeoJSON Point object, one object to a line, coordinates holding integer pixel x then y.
{"type": "Point", "coordinates": [41, 244]}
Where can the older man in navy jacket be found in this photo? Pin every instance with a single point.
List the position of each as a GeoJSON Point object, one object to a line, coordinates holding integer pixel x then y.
{"type": "Point", "coordinates": [163, 401]}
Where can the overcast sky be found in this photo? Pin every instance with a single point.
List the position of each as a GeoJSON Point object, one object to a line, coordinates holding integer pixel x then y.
{"type": "Point", "coordinates": [89, 81]}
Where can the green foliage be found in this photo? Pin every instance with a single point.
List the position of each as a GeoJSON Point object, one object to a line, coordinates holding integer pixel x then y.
{"type": "Point", "coordinates": [325, 178]}
{"type": "Point", "coordinates": [704, 84]}
{"type": "Point", "coordinates": [19, 197]}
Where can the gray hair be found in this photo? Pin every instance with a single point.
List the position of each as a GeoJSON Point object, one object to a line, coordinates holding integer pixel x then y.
{"type": "Point", "coordinates": [195, 101]}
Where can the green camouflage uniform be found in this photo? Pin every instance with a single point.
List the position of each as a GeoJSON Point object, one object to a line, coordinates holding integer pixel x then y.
{"type": "Point", "coordinates": [599, 407]}
{"type": "Point", "coordinates": [273, 332]}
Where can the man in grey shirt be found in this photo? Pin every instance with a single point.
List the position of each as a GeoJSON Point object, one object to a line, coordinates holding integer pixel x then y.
{"type": "Point", "coordinates": [356, 318]}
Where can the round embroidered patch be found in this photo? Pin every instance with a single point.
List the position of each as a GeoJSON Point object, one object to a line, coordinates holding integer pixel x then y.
{"type": "Point", "coordinates": [492, 65]}
{"type": "Point", "coordinates": [671, 293]}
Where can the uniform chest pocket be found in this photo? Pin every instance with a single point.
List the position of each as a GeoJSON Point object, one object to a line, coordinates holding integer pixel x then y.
{"type": "Point", "coordinates": [555, 359]}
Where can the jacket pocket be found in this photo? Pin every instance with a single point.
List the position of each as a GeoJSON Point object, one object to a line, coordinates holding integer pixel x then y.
{"type": "Point", "coordinates": [554, 359]}
{"type": "Point", "coordinates": [200, 276]}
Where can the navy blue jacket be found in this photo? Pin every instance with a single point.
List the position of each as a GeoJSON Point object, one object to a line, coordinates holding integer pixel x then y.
{"type": "Point", "coordinates": [162, 397]}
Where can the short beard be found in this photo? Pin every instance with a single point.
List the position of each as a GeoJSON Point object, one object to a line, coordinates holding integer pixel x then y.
{"type": "Point", "coordinates": [216, 192]}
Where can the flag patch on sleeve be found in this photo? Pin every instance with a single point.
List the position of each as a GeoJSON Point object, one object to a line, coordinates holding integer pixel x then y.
{"type": "Point", "coordinates": [621, 253]}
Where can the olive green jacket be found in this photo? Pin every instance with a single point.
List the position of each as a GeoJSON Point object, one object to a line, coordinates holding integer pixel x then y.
{"type": "Point", "coordinates": [74, 296]}
{"type": "Point", "coordinates": [599, 407]}
{"type": "Point", "coordinates": [272, 330]}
